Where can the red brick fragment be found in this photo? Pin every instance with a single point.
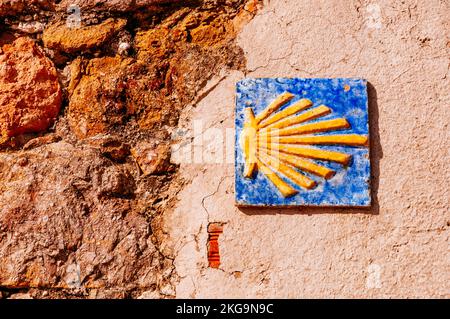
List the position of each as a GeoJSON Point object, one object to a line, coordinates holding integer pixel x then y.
{"type": "Point", "coordinates": [214, 231]}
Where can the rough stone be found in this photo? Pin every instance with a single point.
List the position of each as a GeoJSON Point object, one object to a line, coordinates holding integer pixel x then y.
{"type": "Point", "coordinates": [152, 294]}
{"type": "Point", "coordinates": [168, 71]}
{"type": "Point", "coordinates": [90, 112]}
{"type": "Point", "coordinates": [42, 140]}
{"type": "Point", "coordinates": [152, 158]}
{"type": "Point", "coordinates": [60, 37]}
{"type": "Point", "coordinates": [111, 146]}
{"type": "Point", "coordinates": [112, 5]}
{"type": "Point", "coordinates": [30, 94]}
{"type": "Point", "coordinates": [184, 51]}
{"type": "Point", "coordinates": [15, 7]}
{"type": "Point", "coordinates": [73, 223]}
{"type": "Point", "coordinates": [21, 296]}
{"type": "Point", "coordinates": [129, 89]}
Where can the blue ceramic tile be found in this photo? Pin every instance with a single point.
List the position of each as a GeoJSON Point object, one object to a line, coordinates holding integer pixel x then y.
{"type": "Point", "coordinates": [347, 99]}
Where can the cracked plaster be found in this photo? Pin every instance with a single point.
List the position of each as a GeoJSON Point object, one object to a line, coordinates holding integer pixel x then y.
{"type": "Point", "coordinates": [402, 49]}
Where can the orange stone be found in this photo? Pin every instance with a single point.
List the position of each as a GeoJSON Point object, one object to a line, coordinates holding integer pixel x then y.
{"type": "Point", "coordinates": [60, 37]}
{"type": "Point", "coordinates": [30, 94]}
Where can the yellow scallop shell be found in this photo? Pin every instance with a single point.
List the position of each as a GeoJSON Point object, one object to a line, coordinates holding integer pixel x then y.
{"type": "Point", "coordinates": [274, 143]}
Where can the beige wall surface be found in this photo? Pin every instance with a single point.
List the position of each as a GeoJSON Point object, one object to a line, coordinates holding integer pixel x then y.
{"type": "Point", "coordinates": [399, 247]}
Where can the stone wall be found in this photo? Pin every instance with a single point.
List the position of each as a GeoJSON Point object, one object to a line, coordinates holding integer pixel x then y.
{"type": "Point", "coordinates": [399, 247]}
{"type": "Point", "coordinates": [113, 183]}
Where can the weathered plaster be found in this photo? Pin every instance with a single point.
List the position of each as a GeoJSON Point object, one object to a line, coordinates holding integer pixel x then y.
{"type": "Point", "coordinates": [402, 49]}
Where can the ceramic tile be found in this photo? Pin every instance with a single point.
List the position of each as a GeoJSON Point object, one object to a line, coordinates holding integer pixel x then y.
{"type": "Point", "coordinates": [302, 142]}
